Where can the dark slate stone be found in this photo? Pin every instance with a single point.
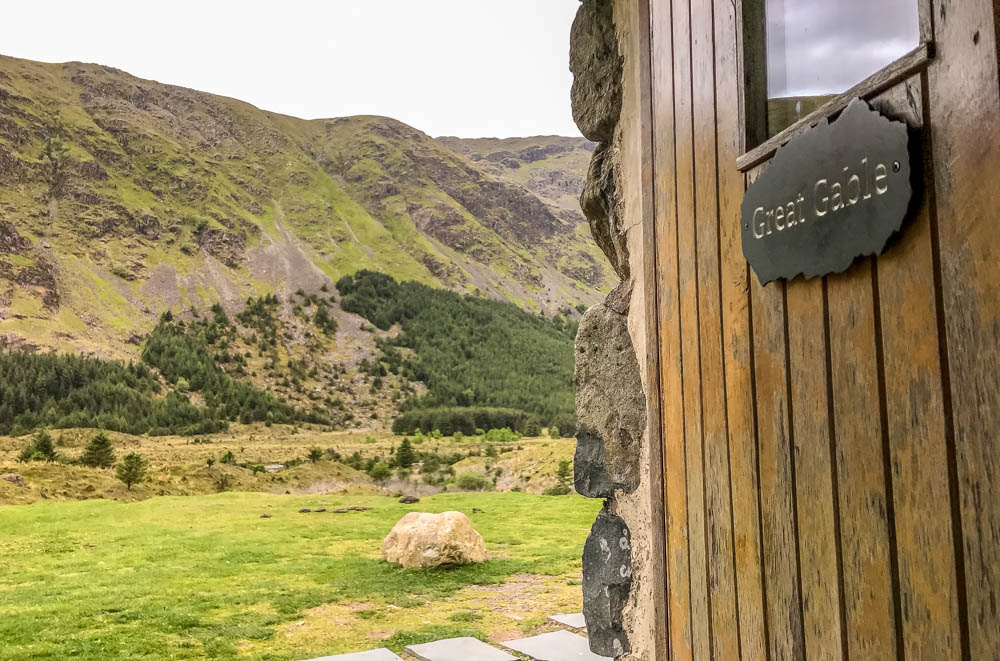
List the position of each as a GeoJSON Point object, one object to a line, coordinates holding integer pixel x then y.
{"type": "Point", "coordinates": [607, 580]}
{"type": "Point", "coordinates": [590, 477]}
{"type": "Point", "coordinates": [610, 406]}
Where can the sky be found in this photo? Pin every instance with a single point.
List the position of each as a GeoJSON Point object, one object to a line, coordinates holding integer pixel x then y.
{"type": "Point", "coordinates": [469, 68]}
{"type": "Point", "coordinates": [820, 47]}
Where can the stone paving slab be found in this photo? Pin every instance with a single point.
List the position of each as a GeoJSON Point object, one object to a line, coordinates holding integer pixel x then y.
{"type": "Point", "coordinates": [571, 620]}
{"type": "Point", "coordinates": [555, 646]}
{"type": "Point", "coordinates": [380, 654]}
{"type": "Point", "coordinates": [458, 649]}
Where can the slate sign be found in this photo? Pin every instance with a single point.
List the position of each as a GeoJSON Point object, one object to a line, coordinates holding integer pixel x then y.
{"type": "Point", "coordinates": [831, 195]}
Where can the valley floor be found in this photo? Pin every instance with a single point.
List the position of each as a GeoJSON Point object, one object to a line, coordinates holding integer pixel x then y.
{"type": "Point", "coordinates": [204, 577]}
{"type": "Point", "coordinates": [178, 466]}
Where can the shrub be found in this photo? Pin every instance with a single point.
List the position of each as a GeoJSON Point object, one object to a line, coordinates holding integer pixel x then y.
{"type": "Point", "coordinates": [471, 482]}
{"type": "Point", "coordinates": [99, 452]}
{"type": "Point", "coordinates": [228, 458]}
{"type": "Point", "coordinates": [132, 469]}
{"type": "Point", "coordinates": [315, 454]}
{"type": "Point", "coordinates": [39, 449]}
{"type": "Point", "coordinates": [380, 472]}
{"type": "Point", "coordinates": [554, 432]}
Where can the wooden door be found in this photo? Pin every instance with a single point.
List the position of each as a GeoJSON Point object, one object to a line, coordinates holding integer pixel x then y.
{"type": "Point", "coordinates": [830, 446]}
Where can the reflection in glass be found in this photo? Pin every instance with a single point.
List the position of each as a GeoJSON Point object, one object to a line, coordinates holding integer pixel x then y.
{"type": "Point", "coordinates": [819, 48]}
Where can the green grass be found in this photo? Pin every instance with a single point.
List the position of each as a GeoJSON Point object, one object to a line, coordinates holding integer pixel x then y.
{"type": "Point", "coordinates": [206, 577]}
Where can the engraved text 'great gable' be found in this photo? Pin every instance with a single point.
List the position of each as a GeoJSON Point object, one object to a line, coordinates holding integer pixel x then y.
{"type": "Point", "coordinates": [829, 196]}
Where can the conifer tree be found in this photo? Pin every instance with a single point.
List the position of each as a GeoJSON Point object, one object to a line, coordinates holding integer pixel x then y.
{"type": "Point", "coordinates": [132, 469]}
{"type": "Point", "coordinates": [99, 452]}
{"type": "Point", "coordinates": [405, 456]}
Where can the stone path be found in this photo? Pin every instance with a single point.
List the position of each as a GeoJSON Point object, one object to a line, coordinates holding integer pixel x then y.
{"type": "Point", "coordinates": [572, 620]}
{"type": "Point", "coordinates": [458, 649]}
{"type": "Point", "coordinates": [559, 645]}
{"type": "Point", "coordinates": [380, 654]}
{"type": "Point", "coordinates": [555, 646]}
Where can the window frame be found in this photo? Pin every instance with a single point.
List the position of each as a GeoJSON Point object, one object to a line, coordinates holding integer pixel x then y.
{"type": "Point", "coordinates": [757, 148]}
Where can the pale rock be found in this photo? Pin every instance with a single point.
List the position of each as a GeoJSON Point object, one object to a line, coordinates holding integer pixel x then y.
{"type": "Point", "coordinates": [421, 539]}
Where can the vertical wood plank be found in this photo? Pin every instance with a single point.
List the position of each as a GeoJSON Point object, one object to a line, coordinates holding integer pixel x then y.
{"type": "Point", "coordinates": [864, 520]}
{"type": "Point", "coordinates": [965, 120]}
{"type": "Point", "coordinates": [777, 491]}
{"type": "Point", "coordinates": [668, 318]}
{"type": "Point", "coordinates": [917, 425]}
{"type": "Point", "coordinates": [715, 443]}
{"type": "Point", "coordinates": [818, 524]}
{"type": "Point", "coordinates": [690, 341]}
{"type": "Point", "coordinates": [737, 341]}
{"type": "Point", "coordinates": [658, 569]}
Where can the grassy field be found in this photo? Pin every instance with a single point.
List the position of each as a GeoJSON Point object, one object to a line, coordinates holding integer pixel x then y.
{"type": "Point", "coordinates": [178, 467]}
{"type": "Point", "coordinates": [206, 577]}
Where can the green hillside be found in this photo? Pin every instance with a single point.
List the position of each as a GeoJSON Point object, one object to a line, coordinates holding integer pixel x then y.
{"type": "Point", "coordinates": [121, 198]}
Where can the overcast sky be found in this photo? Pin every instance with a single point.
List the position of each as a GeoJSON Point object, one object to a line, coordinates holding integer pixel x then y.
{"type": "Point", "coordinates": [826, 46]}
{"type": "Point", "coordinates": [448, 67]}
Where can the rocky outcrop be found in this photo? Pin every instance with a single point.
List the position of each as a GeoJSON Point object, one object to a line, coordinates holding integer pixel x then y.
{"type": "Point", "coordinates": [227, 247]}
{"type": "Point", "coordinates": [420, 539]}
{"type": "Point", "coordinates": [11, 242]}
{"type": "Point", "coordinates": [597, 71]}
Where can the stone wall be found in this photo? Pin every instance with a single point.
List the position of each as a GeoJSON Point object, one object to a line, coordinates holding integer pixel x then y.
{"type": "Point", "coordinates": [614, 459]}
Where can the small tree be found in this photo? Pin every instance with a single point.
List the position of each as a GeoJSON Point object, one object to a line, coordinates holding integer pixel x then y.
{"type": "Point", "coordinates": [39, 449]}
{"type": "Point", "coordinates": [405, 456]}
{"type": "Point", "coordinates": [99, 452]}
{"type": "Point", "coordinates": [563, 476]}
{"type": "Point", "coordinates": [132, 469]}
{"type": "Point", "coordinates": [228, 458]}
{"type": "Point", "coordinates": [380, 472]}
{"type": "Point", "coordinates": [554, 432]}
{"type": "Point", "coordinates": [315, 454]}
{"type": "Point", "coordinates": [210, 462]}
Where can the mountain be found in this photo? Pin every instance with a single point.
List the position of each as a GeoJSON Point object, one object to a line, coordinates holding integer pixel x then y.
{"type": "Point", "coordinates": [121, 198]}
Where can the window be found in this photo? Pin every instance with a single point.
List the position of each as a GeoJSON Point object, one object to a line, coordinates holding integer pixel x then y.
{"type": "Point", "coordinates": [817, 49]}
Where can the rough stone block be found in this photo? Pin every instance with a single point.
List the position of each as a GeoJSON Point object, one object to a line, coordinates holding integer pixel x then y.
{"type": "Point", "coordinates": [610, 406]}
{"type": "Point", "coordinates": [596, 65]}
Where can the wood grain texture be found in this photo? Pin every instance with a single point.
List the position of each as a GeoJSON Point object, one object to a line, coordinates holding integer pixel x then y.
{"type": "Point", "coordinates": [658, 569]}
{"type": "Point", "coordinates": [814, 472]}
{"type": "Point", "coordinates": [688, 287]}
{"type": "Point", "coordinates": [965, 120]}
{"type": "Point", "coordinates": [715, 436]}
{"type": "Point", "coordinates": [777, 490]}
{"type": "Point", "coordinates": [917, 426]}
{"type": "Point", "coordinates": [737, 342]}
{"type": "Point", "coordinates": [864, 520]}
{"type": "Point", "coordinates": [669, 322]}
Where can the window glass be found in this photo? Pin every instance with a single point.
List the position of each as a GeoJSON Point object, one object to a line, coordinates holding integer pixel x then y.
{"type": "Point", "coordinates": [819, 48]}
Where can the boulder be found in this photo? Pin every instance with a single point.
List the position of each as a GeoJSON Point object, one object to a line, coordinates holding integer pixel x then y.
{"type": "Point", "coordinates": [420, 539]}
{"type": "Point", "coordinates": [13, 478]}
